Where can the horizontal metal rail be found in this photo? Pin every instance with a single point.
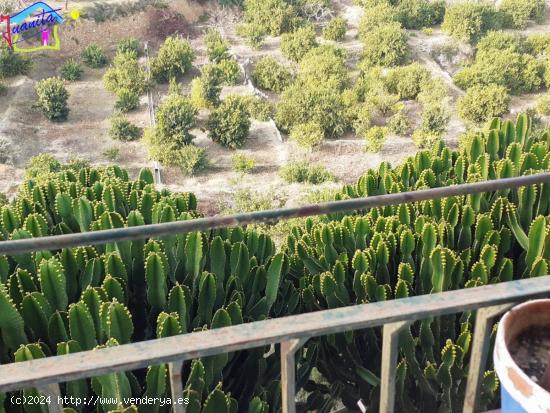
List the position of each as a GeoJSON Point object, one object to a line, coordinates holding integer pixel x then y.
{"type": "Point", "coordinates": [43, 372]}
{"type": "Point", "coordinates": [202, 224]}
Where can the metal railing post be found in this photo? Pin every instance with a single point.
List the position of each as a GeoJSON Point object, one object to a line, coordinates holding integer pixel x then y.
{"type": "Point", "coordinates": [54, 393]}
{"type": "Point", "coordinates": [288, 373]}
{"type": "Point", "coordinates": [176, 386]}
{"type": "Point", "coordinates": [480, 350]}
{"type": "Point", "coordinates": [390, 340]}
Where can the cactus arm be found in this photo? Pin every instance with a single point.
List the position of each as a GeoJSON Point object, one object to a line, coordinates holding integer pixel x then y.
{"type": "Point", "coordinates": [273, 279]}
{"type": "Point", "coordinates": [11, 322]}
{"type": "Point", "coordinates": [81, 326]}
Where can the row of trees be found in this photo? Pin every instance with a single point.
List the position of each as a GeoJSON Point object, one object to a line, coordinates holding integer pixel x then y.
{"type": "Point", "coordinates": [171, 140]}
{"type": "Point", "coordinates": [469, 21]}
{"type": "Point", "coordinates": [505, 63]}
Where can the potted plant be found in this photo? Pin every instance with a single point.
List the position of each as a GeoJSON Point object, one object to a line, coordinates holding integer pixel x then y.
{"type": "Point", "coordinates": [522, 358]}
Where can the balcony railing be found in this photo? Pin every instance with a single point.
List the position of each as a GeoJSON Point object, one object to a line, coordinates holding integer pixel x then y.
{"type": "Point", "coordinates": [289, 332]}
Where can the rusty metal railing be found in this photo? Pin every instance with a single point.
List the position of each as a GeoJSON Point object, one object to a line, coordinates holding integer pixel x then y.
{"type": "Point", "coordinates": [290, 332]}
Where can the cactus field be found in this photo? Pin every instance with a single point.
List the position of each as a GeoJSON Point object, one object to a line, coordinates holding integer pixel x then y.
{"type": "Point", "coordinates": [156, 111]}
{"type": "Point", "coordinates": [59, 302]}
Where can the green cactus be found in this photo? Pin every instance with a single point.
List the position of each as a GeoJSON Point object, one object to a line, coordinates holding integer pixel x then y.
{"type": "Point", "coordinates": [81, 326]}
{"type": "Point", "coordinates": [12, 325]}
{"type": "Point", "coordinates": [53, 283]}
{"type": "Point", "coordinates": [155, 274]}
{"type": "Point", "coordinates": [112, 387]}
{"type": "Point", "coordinates": [116, 322]}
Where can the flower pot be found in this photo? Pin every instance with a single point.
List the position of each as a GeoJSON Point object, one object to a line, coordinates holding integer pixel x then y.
{"type": "Point", "coordinates": [520, 331]}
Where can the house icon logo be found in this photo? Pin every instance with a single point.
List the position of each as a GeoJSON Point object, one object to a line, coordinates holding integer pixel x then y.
{"type": "Point", "coordinates": [33, 29]}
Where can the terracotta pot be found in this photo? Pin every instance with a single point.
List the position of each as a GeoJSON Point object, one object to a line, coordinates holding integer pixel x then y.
{"type": "Point", "coordinates": [519, 392]}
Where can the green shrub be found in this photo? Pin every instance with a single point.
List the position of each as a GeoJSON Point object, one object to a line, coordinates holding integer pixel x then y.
{"type": "Point", "coordinates": [229, 124]}
{"type": "Point", "coordinates": [296, 44]}
{"type": "Point", "coordinates": [230, 71]}
{"type": "Point", "coordinates": [374, 17]}
{"type": "Point", "coordinates": [3, 89]}
{"type": "Point", "coordinates": [127, 100]}
{"type": "Point", "coordinates": [123, 130]}
{"type": "Point", "coordinates": [519, 73]}
{"type": "Point", "coordinates": [499, 40]}
{"type": "Point", "coordinates": [94, 56]}
{"type": "Point", "coordinates": [435, 117]}
{"type": "Point", "coordinates": [52, 98]}
{"type": "Point", "coordinates": [126, 74]}
{"type": "Point", "coordinates": [399, 123]}
{"type": "Point", "coordinates": [12, 64]}
{"type": "Point", "coordinates": [302, 172]}
{"type": "Point", "coordinates": [174, 58]}
{"type": "Point", "coordinates": [363, 121]}
{"type": "Point", "coordinates": [407, 81]}
{"type": "Point", "coordinates": [112, 154]}
{"type": "Point", "coordinates": [272, 16]}
{"type": "Point", "coordinates": [425, 139]}
{"type": "Point", "coordinates": [243, 163]}
{"type": "Point", "coordinates": [42, 165]}
{"type": "Point", "coordinates": [191, 159]}
{"type": "Point", "coordinates": [482, 103]}
{"type": "Point", "coordinates": [417, 14]}
{"type": "Point", "coordinates": [375, 138]}
{"type": "Point", "coordinates": [386, 46]}
{"type": "Point", "coordinates": [316, 95]}
{"type": "Point", "coordinates": [382, 102]}
{"type": "Point", "coordinates": [259, 109]}
{"type": "Point", "coordinates": [71, 70]}
{"type": "Point", "coordinates": [246, 200]}
{"type": "Point", "coordinates": [351, 102]}
{"type": "Point", "coordinates": [307, 135]}
{"type": "Point", "coordinates": [206, 89]}
{"type": "Point", "coordinates": [174, 87]}
{"type": "Point", "coordinates": [335, 29]}
{"type": "Point", "coordinates": [469, 21]}
{"type": "Point", "coordinates": [543, 105]}
{"type": "Point", "coordinates": [322, 105]}
{"type": "Point", "coordinates": [518, 12]}
{"type": "Point", "coordinates": [270, 75]}
{"type": "Point", "coordinates": [372, 3]}
{"type": "Point", "coordinates": [128, 45]}
{"type": "Point", "coordinates": [175, 118]}
{"type": "Point", "coordinates": [538, 44]}
{"type": "Point", "coordinates": [217, 48]}
{"type": "Point", "coordinates": [253, 34]}
{"type": "Point", "coordinates": [324, 65]}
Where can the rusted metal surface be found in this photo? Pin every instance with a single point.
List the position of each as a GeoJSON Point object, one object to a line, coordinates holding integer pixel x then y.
{"type": "Point", "coordinates": [480, 351]}
{"type": "Point", "coordinates": [288, 373]}
{"type": "Point", "coordinates": [245, 336]}
{"type": "Point", "coordinates": [202, 224]}
{"type": "Point", "coordinates": [389, 363]}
